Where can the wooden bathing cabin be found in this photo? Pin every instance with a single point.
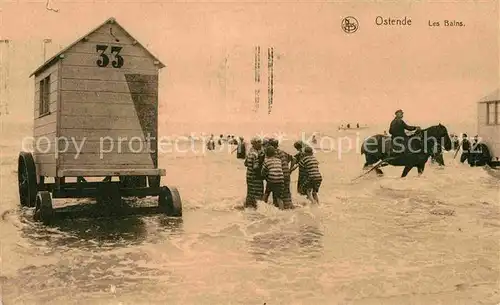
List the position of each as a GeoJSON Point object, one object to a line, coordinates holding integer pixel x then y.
{"type": "Point", "coordinates": [96, 115]}
{"type": "Point", "coordinates": [488, 124]}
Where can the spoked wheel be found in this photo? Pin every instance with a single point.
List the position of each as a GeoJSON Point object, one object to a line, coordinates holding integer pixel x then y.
{"type": "Point", "coordinates": [44, 211]}
{"type": "Point", "coordinates": [26, 176]}
{"type": "Point", "coordinates": [169, 201]}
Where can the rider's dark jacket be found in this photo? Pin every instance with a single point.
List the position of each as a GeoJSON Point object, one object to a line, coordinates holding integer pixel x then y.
{"type": "Point", "coordinates": [465, 145]}
{"type": "Point", "coordinates": [398, 127]}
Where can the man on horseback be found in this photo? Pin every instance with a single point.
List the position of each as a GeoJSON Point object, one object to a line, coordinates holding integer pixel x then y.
{"type": "Point", "coordinates": [399, 137]}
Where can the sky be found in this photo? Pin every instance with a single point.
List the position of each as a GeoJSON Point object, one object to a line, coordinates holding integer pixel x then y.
{"type": "Point", "coordinates": [321, 74]}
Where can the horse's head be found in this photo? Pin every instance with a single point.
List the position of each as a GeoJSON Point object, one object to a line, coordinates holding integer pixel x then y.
{"type": "Point", "coordinates": [440, 135]}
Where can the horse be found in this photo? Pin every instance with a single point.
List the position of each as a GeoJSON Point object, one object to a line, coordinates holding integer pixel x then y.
{"type": "Point", "coordinates": [420, 146]}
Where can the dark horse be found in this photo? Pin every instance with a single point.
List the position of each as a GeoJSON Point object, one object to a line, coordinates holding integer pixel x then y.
{"type": "Point", "coordinates": [421, 146]}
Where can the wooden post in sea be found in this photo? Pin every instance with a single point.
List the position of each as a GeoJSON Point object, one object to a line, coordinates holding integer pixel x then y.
{"type": "Point", "coordinates": [270, 77]}
{"type": "Point", "coordinates": [5, 64]}
{"type": "Point", "coordinates": [257, 78]}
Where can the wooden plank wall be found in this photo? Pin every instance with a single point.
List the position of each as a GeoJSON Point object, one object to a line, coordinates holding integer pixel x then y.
{"type": "Point", "coordinates": [96, 103]}
{"type": "Point", "coordinates": [45, 127]}
{"type": "Point", "coordinates": [490, 134]}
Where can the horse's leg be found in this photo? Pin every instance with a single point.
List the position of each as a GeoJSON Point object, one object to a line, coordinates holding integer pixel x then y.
{"type": "Point", "coordinates": [440, 159]}
{"type": "Point", "coordinates": [370, 160]}
{"type": "Point", "coordinates": [420, 169]}
{"type": "Point", "coordinates": [406, 170]}
{"type": "Point", "coordinates": [367, 162]}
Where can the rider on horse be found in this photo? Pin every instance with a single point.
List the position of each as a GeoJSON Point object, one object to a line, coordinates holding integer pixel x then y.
{"type": "Point", "coordinates": [399, 136]}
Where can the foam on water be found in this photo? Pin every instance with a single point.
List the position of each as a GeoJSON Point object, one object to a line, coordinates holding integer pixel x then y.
{"type": "Point", "coordinates": [379, 240]}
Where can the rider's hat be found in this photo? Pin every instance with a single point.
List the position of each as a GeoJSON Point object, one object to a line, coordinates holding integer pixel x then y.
{"type": "Point", "coordinates": [398, 111]}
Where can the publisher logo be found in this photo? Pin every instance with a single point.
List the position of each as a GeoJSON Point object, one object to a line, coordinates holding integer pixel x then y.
{"type": "Point", "coordinates": [350, 24]}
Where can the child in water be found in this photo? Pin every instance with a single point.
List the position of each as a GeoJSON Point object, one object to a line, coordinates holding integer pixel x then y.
{"type": "Point", "coordinates": [313, 177]}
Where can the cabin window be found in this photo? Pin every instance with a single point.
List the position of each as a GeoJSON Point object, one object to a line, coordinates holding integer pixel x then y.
{"type": "Point", "coordinates": [493, 113]}
{"type": "Point", "coordinates": [498, 112]}
{"type": "Point", "coordinates": [44, 96]}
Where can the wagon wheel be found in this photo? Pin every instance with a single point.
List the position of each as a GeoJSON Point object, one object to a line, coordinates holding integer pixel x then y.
{"type": "Point", "coordinates": [26, 177]}
{"type": "Point", "coordinates": [169, 201]}
{"type": "Point", "coordinates": [44, 211]}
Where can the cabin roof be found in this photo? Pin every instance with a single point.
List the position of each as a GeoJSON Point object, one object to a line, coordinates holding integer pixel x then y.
{"type": "Point", "coordinates": [55, 58]}
{"type": "Point", "coordinates": [494, 96]}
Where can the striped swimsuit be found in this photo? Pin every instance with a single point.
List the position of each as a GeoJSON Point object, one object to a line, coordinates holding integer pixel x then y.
{"type": "Point", "coordinates": [313, 176]}
{"type": "Point", "coordinates": [285, 165]}
{"type": "Point", "coordinates": [302, 173]}
{"type": "Point", "coordinates": [273, 172]}
{"type": "Point", "coordinates": [255, 184]}
{"type": "Point", "coordinates": [285, 161]}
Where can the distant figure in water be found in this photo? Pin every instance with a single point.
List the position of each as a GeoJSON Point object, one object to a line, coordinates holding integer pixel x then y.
{"type": "Point", "coordinates": [313, 140]}
{"type": "Point", "coordinates": [348, 126]}
{"type": "Point", "coordinates": [241, 149]}
{"type": "Point", "coordinates": [313, 177]}
{"type": "Point", "coordinates": [221, 139]}
{"type": "Point", "coordinates": [479, 154]}
{"type": "Point", "coordinates": [341, 126]}
{"type": "Point", "coordinates": [357, 125]}
{"type": "Point", "coordinates": [385, 132]}
{"type": "Point", "coordinates": [465, 148]}
{"type": "Point", "coordinates": [476, 141]}
{"type": "Point", "coordinates": [233, 141]}
{"type": "Point", "coordinates": [455, 142]}
{"type": "Point", "coordinates": [211, 143]}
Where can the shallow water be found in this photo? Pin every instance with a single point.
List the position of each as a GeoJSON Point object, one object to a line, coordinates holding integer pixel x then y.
{"type": "Point", "coordinates": [380, 240]}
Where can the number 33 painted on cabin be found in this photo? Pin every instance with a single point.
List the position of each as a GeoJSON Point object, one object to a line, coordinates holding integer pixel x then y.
{"type": "Point", "coordinates": [104, 59]}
